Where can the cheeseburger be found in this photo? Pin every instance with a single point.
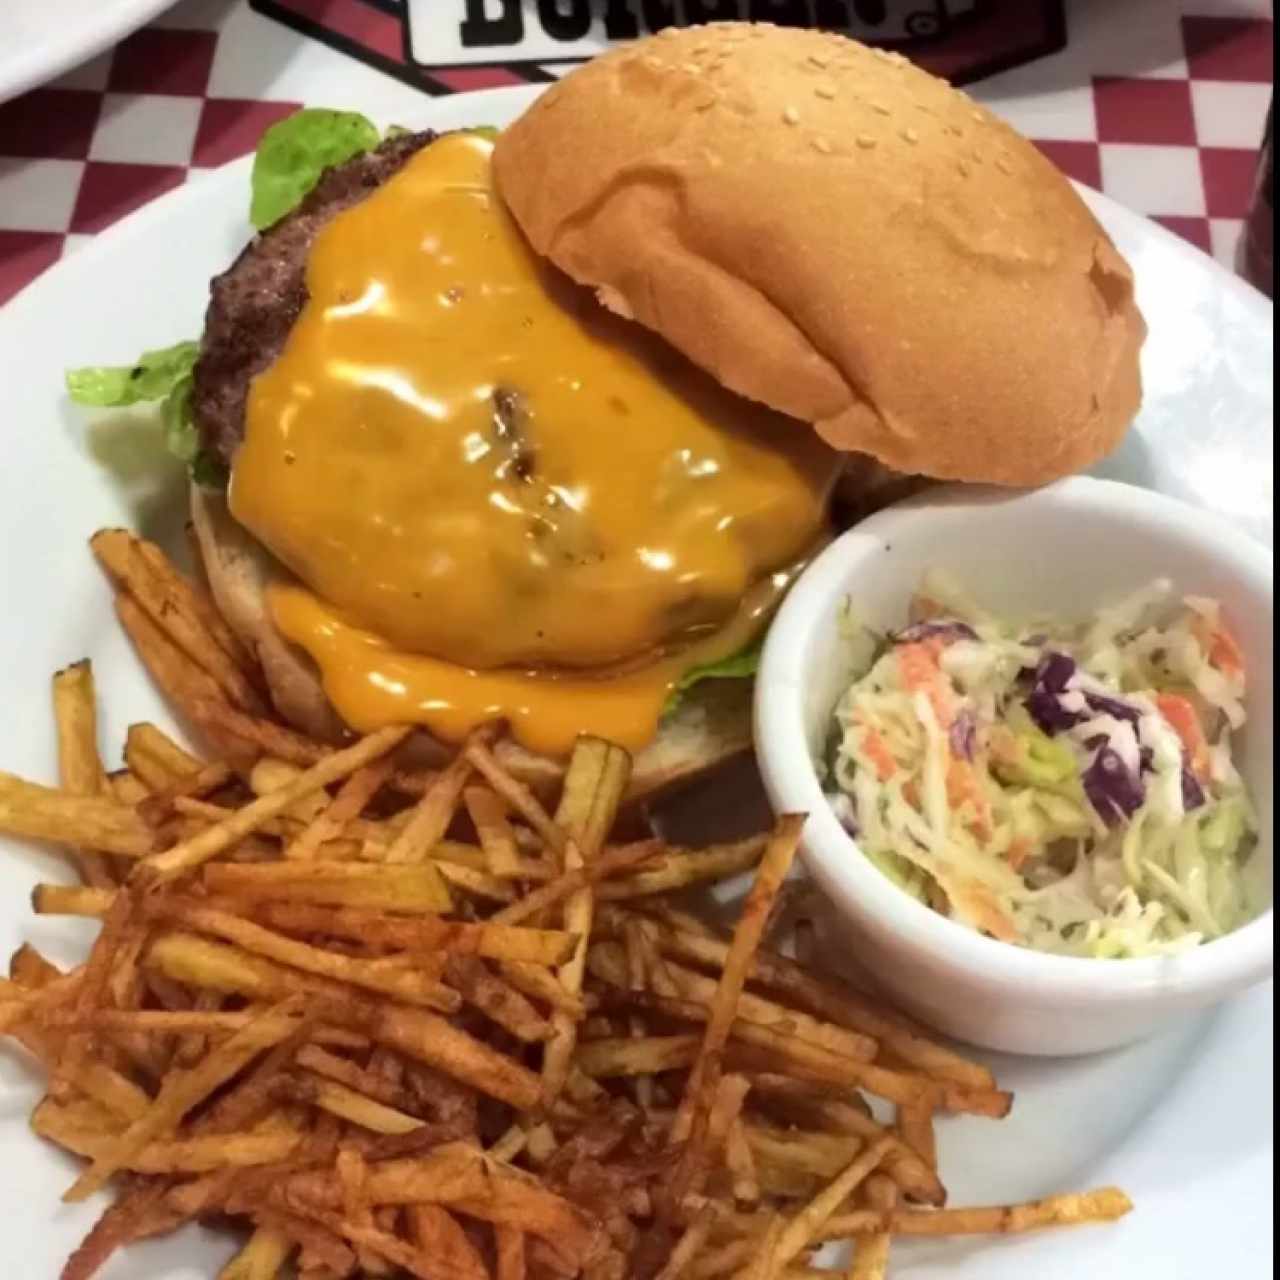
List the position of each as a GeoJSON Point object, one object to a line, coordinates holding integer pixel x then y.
{"type": "Point", "coordinates": [540, 428]}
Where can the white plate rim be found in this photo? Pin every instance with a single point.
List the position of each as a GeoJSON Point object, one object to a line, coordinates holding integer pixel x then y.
{"type": "Point", "coordinates": [68, 42]}
{"type": "Point", "coordinates": [1138, 1238]}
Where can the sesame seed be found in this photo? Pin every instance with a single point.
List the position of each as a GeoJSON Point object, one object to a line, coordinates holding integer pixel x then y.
{"type": "Point", "coordinates": [964, 169]}
{"type": "Point", "coordinates": [911, 135]}
{"type": "Point", "coordinates": [706, 104]}
{"type": "Point", "coordinates": [692, 68]}
{"type": "Point", "coordinates": [825, 91]}
{"type": "Point", "coordinates": [880, 109]}
{"type": "Point", "coordinates": [1004, 166]}
{"type": "Point", "coordinates": [821, 144]}
{"type": "Point", "coordinates": [979, 117]}
{"type": "Point", "coordinates": [818, 60]}
{"type": "Point", "coordinates": [866, 141]}
{"type": "Point", "coordinates": [791, 116]}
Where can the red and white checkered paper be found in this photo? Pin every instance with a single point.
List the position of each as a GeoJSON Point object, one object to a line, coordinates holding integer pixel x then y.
{"type": "Point", "coordinates": [1159, 104]}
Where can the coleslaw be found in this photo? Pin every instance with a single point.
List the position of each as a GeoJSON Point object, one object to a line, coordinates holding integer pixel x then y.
{"type": "Point", "coordinates": [1069, 788]}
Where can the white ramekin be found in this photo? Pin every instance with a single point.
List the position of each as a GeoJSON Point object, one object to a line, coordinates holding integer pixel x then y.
{"type": "Point", "coordinates": [1065, 549]}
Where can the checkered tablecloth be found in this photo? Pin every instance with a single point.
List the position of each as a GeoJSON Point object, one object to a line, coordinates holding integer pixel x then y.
{"type": "Point", "coordinates": [1160, 103]}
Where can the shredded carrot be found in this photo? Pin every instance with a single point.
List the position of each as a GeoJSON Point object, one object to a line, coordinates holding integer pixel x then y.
{"type": "Point", "coordinates": [918, 665]}
{"type": "Point", "coordinates": [1226, 654]}
{"type": "Point", "coordinates": [911, 793]}
{"type": "Point", "coordinates": [874, 746]}
{"type": "Point", "coordinates": [1220, 645]}
{"type": "Point", "coordinates": [1179, 712]}
{"type": "Point", "coordinates": [1019, 851]}
{"type": "Point", "coordinates": [962, 785]}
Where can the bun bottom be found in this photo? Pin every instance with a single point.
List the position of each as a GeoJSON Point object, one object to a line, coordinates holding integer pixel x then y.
{"type": "Point", "coordinates": [711, 726]}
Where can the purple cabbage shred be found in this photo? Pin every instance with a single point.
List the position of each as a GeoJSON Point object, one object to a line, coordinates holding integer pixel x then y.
{"type": "Point", "coordinates": [919, 631]}
{"type": "Point", "coordinates": [1115, 793]}
{"type": "Point", "coordinates": [846, 813]}
{"type": "Point", "coordinates": [1193, 796]}
{"type": "Point", "coordinates": [964, 735]}
{"type": "Point", "coordinates": [1048, 684]}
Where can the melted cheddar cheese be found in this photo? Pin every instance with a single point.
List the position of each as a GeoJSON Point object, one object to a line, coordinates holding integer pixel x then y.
{"type": "Point", "coordinates": [494, 492]}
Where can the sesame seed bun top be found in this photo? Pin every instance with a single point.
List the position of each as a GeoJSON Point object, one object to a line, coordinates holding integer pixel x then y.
{"type": "Point", "coordinates": [834, 232]}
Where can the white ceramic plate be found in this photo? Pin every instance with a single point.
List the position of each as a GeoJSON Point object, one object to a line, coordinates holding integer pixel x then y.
{"type": "Point", "coordinates": [44, 38]}
{"type": "Point", "coordinates": [1185, 1123]}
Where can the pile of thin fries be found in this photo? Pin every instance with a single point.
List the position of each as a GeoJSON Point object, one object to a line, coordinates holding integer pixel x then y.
{"type": "Point", "coordinates": [407, 1022]}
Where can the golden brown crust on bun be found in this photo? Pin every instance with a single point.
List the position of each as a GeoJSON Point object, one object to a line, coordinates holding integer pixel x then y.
{"type": "Point", "coordinates": [840, 235]}
{"type": "Point", "coordinates": [711, 726]}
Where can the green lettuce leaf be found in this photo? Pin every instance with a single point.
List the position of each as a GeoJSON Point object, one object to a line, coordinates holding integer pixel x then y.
{"type": "Point", "coordinates": [739, 666]}
{"type": "Point", "coordinates": [294, 152]}
{"type": "Point", "coordinates": [153, 377]}
{"type": "Point", "coordinates": [165, 376]}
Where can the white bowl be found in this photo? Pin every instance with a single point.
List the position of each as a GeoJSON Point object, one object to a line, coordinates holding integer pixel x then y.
{"type": "Point", "coordinates": [1064, 549]}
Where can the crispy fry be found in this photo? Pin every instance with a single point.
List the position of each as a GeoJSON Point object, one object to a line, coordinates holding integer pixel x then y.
{"type": "Point", "coordinates": [610, 863]}
{"type": "Point", "coordinates": [489, 817]}
{"type": "Point", "coordinates": [156, 758]}
{"type": "Point", "coordinates": [516, 794]}
{"type": "Point", "coordinates": [692, 1117]}
{"type": "Point", "coordinates": [837, 1114]}
{"type": "Point", "coordinates": [282, 1006]}
{"type": "Point", "coordinates": [349, 1105]}
{"type": "Point", "coordinates": [187, 1156]}
{"type": "Point", "coordinates": [776, 863]}
{"type": "Point", "coordinates": [602, 1059]}
{"type": "Point", "coordinates": [741, 1163]}
{"type": "Point", "coordinates": [512, 1264]}
{"type": "Point", "coordinates": [544, 986]}
{"type": "Point", "coordinates": [331, 823]}
{"type": "Point", "coordinates": [870, 1256]}
{"type": "Point", "coordinates": [411, 987]}
{"type": "Point", "coordinates": [268, 775]}
{"type": "Point", "coordinates": [439, 1044]}
{"type": "Point", "coordinates": [262, 1258]}
{"type": "Point", "coordinates": [766, 1013]}
{"type": "Point", "coordinates": [474, 883]}
{"type": "Point", "coordinates": [126, 788]}
{"type": "Point", "coordinates": [637, 973]}
{"type": "Point", "coordinates": [725, 1112]}
{"type": "Point", "coordinates": [1105, 1205]}
{"type": "Point", "coordinates": [690, 1244]}
{"type": "Point", "coordinates": [183, 1091]}
{"type": "Point", "coordinates": [183, 682]}
{"type": "Point", "coordinates": [466, 1179]}
{"type": "Point", "coordinates": [170, 602]}
{"type": "Point", "coordinates": [93, 822]}
{"type": "Point", "coordinates": [71, 900]}
{"type": "Point", "coordinates": [159, 807]}
{"type": "Point", "coordinates": [406, 890]}
{"type": "Point", "coordinates": [836, 1003]}
{"type": "Point", "coordinates": [594, 785]}
{"type": "Point", "coordinates": [433, 814]}
{"type": "Point", "coordinates": [502, 1004]}
{"type": "Point", "coordinates": [192, 853]}
{"type": "Point", "coordinates": [80, 771]}
{"type": "Point", "coordinates": [492, 942]}
{"type": "Point", "coordinates": [439, 1236]}
{"type": "Point", "coordinates": [683, 868]}
{"type": "Point", "coordinates": [810, 1221]}
{"type": "Point", "coordinates": [915, 1127]}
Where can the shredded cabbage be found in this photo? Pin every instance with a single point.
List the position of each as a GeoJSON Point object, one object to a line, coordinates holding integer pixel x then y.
{"type": "Point", "coordinates": [1069, 788]}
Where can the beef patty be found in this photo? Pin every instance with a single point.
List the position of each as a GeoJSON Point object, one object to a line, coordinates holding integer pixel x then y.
{"type": "Point", "coordinates": [253, 304]}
